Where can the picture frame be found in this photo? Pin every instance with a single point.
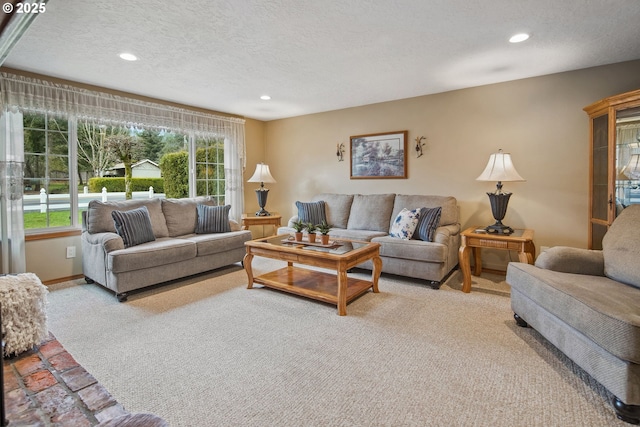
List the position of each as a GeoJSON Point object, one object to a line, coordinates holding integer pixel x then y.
{"type": "Point", "coordinates": [379, 155]}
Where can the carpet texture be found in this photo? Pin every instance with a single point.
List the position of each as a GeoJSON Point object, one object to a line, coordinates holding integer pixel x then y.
{"type": "Point", "coordinates": [207, 351]}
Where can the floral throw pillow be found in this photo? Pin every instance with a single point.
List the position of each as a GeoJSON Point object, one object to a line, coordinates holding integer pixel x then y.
{"type": "Point", "coordinates": [405, 224]}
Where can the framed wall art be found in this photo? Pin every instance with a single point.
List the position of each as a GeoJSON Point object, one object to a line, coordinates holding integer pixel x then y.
{"type": "Point", "coordinates": [379, 156]}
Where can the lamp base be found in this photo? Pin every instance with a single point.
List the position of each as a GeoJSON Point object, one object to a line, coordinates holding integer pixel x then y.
{"type": "Point", "coordinates": [499, 228]}
{"type": "Point", "coordinates": [262, 194]}
{"type": "Point", "coordinates": [499, 202]}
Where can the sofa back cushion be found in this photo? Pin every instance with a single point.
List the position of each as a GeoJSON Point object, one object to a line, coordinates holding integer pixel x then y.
{"type": "Point", "coordinates": [337, 208]}
{"type": "Point", "coordinates": [371, 212]}
{"type": "Point", "coordinates": [449, 205]}
{"type": "Point", "coordinates": [99, 219]}
{"type": "Point", "coordinates": [181, 215]}
{"type": "Point", "coordinates": [621, 247]}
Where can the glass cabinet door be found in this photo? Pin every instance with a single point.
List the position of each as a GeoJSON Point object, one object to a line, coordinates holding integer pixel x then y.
{"type": "Point", "coordinates": [601, 201]}
{"type": "Point", "coordinates": [627, 158]}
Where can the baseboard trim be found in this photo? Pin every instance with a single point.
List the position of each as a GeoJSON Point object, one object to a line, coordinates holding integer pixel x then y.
{"type": "Point", "coordinates": [62, 279]}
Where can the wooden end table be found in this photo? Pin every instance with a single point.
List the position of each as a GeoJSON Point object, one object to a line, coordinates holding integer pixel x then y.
{"type": "Point", "coordinates": [251, 219]}
{"type": "Point", "coordinates": [521, 241]}
{"type": "Point", "coordinates": [338, 289]}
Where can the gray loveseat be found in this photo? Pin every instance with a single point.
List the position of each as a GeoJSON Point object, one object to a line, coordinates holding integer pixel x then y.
{"type": "Point", "coordinates": [176, 251]}
{"type": "Point", "coordinates": [587, 304]}
{"type": "Point", "coordinates": [369, 217]}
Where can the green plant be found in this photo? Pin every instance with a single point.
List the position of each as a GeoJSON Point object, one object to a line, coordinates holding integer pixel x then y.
{"type": "Point", "coordinates": [324, 228]}
{"type": "Point", "coordinates": [311, 227]}
{"type": "Point", "coordinates": [298, 226]}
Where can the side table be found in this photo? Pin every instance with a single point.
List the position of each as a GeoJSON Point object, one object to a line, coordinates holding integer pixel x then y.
{"type": "Point", "coordinates": [249, 219]}
{"type": "Point", "coordinates": [521, 241]}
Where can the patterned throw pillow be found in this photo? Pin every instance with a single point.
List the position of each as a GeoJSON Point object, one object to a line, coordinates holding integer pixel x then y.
{"type": "Point", "coordinates": [312, 212]}
{"type": "Point", "coordinates": [134, 226]}
{"type": "Point", "coordinates": [213, 219]}
{"type": "Point", "coordinates": [429, 220]}
{"type": "Point", "coordinates": [405, 224]}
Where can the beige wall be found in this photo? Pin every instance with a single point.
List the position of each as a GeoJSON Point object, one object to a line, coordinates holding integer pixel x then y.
{"type": "Point", "coordinates": [540, 121]}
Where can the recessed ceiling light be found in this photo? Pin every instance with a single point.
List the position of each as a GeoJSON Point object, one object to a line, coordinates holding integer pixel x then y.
{"type": "Point", "coordinates": [265, 97]}
{"type": "Point", "coordinates": [519, 38]}
{"type": "Point", "coordinates": [128, 57]}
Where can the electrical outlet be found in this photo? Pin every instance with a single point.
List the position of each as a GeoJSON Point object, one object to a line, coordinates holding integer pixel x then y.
{"type": "Point", "coordinates": [71, 251]}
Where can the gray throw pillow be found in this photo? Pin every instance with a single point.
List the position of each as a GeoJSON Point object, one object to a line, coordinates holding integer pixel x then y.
{"type": "Point", "coordinates": [134, 226]}
{"type": "Point", "coordinates": [311, 212]}
{"type": "Point", "coordinates": [427, 224]}
{"type": "Point", "coordinates": [213, 219]}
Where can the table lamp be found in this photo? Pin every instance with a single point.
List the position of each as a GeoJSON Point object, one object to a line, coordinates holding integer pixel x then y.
{"type": "Point", "coordinates": [262, 175]}
{"type": "Point", "coordinates": [499, 168]}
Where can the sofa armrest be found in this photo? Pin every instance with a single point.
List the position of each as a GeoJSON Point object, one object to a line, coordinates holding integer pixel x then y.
{"type": "Point", "coordinates": [292, 220]}
{"type": "Point", "coordinates": [109, 241]}
{"type": "Point", "coordinates": [572, 260]}
{"type": "Point", "coordinates": [444, 232]}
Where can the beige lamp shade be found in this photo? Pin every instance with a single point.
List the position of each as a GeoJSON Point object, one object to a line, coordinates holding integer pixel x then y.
{"type": "Point", "coordinates": [500, 168]}
{"type": "Point", "coordinates": [262, 174]}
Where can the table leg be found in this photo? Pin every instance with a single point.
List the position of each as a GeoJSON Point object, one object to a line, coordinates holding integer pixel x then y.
{"type": "Point", "coordinates": [526, 257]}
{"type": "Point", "coordinates": [342, 292]}
{"type": "Point", "coordinates": [465, 267]}
{"type": "Point", "coordinates": [477, 261]}
{"type": "Point", "coordinates": [375, 274]}
{"type": "Point", "coordinates": [247, 267]}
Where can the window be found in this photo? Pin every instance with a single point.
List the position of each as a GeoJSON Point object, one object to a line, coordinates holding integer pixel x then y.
{"type": "Point", "coordinates": [46, 171]}
{"type": "Point", "coordinates": [48, 201]}
{"type": "Point", "coordinates": [210, 168]}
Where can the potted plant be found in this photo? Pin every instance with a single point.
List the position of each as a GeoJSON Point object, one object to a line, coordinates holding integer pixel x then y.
{"type": "Point", "coordinates": [324, 228]}
{"type": "Point", "coordinates": [311, 229]}
{"type": "Point", "coordinates": [298, 226]}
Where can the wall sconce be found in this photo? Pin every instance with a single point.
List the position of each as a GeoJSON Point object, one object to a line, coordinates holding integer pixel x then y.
{"type": "Point", "coordinates": [419, 145]}
{"type": "Point", "coordinates": [340, 151]}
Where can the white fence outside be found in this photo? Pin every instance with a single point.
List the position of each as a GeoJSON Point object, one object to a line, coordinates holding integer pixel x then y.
{"type": "Point", "coordinates": [38, 202]}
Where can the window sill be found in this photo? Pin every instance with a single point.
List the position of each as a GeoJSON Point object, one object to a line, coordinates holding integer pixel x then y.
{"type": "Point", "coordinates": [51, 234]}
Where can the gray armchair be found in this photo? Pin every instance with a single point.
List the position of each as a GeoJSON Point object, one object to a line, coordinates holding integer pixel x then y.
{"type": "Point", "coordinates": [587, 304]}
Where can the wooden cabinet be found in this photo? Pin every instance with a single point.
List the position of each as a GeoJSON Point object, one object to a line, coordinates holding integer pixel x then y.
{"type": "Point", "coordinates": [614, 170]}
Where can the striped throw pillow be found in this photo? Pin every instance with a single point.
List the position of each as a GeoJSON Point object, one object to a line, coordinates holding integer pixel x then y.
{"type": "Point", "coordinates": [213, 219]}
{"type": "Point", "coordinates": [311, 212]}
{"type": "Point", "coordinates": [134, 226]}
{"type": "Point", "coordinates": [427, 224]}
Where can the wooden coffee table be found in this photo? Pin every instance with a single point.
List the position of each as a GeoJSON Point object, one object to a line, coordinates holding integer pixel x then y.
{"type": "Point", "coordinates": [338, 289]}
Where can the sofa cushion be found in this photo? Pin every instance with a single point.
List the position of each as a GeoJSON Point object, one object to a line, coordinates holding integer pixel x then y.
{"type": "Point", "coordinates": [416, 250]}
{"type": "Point", "coordinates": [181, 216]}
{"type": "Point", "coordinates": [365, 235]}
{"type": "Point", "coordinates": [427, 224]}
{"type": "Point", "coordinates": [602, 309]}
{"type": "Point", "coordinates": [134, 226]}
{"type": "Point", "coordinates": [371, 212]}
{"type": "Point", "coordinates": [621, 247]}
{"type": "Point", "coordinates": [99, 219]}
{"type": "Point", "coordinates": [162, 251]}
{"type": "Point", "coordinates": [311, 212]}
{"type": "Point", "coordinates": [449, 205]}
{"type": "Point", "coordinates": [405, 224]}
{"type": "Point", "coordinates": [212, 219]}
{"type": "Point", "coordinates": [208, 244]}
{"type": "Point", "coordinates": [336, 207]}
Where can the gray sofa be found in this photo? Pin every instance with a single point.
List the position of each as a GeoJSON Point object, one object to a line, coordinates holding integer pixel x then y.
{"type": "Point", "coordinates": [370, 216]}
{"type": "Point", "coordinates": [587, 304]}
{"type": "Point", "coordinates": [176, 252]}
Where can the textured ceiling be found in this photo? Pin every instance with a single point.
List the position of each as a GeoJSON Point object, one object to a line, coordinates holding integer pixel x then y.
{"type": "Point", "coordinates": [312, 56]}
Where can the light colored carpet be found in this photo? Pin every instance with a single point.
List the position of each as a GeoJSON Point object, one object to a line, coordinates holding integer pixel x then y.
{"type": "Point", "coordinates": [207, 351]}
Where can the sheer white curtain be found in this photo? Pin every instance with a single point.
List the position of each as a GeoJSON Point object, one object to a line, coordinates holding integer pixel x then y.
{"type": "Point", "coordinates": [20, 93]}
{"type": "Point", "coordinates": [11, 189]}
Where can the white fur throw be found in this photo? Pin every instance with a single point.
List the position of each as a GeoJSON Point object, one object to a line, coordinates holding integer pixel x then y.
{"type": "Point", "coordinates": [24, 315]}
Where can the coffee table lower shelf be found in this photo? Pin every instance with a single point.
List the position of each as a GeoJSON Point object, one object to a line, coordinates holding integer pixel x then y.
{"type": "Point", "coordinates": [316, 285]}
